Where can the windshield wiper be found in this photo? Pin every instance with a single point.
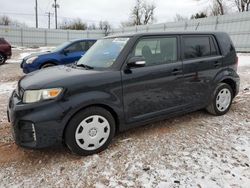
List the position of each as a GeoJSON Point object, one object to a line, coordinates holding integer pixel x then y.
{"type": "Point", "coordinates": [84, 66]}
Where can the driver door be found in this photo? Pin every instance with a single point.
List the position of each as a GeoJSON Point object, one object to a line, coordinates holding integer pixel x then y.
{"type": "Point", "coordinates": [157, 88]}
{"type": "Point", "coordinates": [73, 52]}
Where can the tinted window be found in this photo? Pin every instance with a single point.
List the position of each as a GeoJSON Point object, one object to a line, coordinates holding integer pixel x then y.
{"type": "Point", "coordinates": [195, 47]}
{"type": "Point", "coordinates": [90, 43]}
{"type": "Point", "coordinates": [213, 48]}
{"type": "Point", "coordinates": [87, 44]}
{"type": "Point", "coordinates": [157, 50]}
{"type": "Point", "coordinates": [76, 47]}
{"type": "Point", "coordinates": [84, 45]}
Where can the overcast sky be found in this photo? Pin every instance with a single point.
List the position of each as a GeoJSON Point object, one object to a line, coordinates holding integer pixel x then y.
{"type": "Point", "coordinates": [92, 11]}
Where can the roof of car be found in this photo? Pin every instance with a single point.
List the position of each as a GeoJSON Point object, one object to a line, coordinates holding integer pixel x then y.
{"type": "Point", "coordinates": [75, 40]}
{"type": "Point", "coordinates": [165, 33]}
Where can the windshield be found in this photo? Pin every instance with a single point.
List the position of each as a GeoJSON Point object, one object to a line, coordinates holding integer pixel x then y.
{"type": "Point", "coordinates": [103, 53]}
{"type": "Point", "coordinates": [61, 46]}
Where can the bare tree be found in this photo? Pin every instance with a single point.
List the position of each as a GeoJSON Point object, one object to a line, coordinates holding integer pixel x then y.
{"type": "Point", "coordinates": [141, 14]}
{"type": "Point", "coordinates": [104, 25]}
{"type": "Point", "coordinates": [179, 18]}
{"type": "Point", "coordinates": [75, 24]}
{"type": "Point", "coordinates": [218, 7]}
{"type": "Point", "coordinates": [199, 15]}
{"type": "Point", "coordinates": [92, 26]}
{"type": "Point", "coordinates": [5, 20]}
{"type": "Point", "coordinates": [148, 12]}
{"type": "Point", "coordinates": [242, 5]}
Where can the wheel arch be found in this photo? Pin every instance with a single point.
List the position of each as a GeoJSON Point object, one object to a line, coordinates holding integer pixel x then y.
{"type": "Point", "coordinates": [228, 76]}
{"type": "Point", "coordinates": [48, 61]}
{"type": "Point", "coordinates": [231, 83]}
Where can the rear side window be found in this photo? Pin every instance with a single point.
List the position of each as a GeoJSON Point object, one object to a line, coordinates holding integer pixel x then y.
{"type": "Point", "coordinates": [198, 46]}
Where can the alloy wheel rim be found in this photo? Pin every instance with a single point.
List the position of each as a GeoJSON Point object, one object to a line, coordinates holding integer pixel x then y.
{"type": "Point", "coordinates": [223, 100]}
{"type": "Point", "coordinates": [92, 132]}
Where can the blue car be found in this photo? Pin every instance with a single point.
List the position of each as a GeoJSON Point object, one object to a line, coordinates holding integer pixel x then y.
{"type": "Point", "coordinates": [66, 53]}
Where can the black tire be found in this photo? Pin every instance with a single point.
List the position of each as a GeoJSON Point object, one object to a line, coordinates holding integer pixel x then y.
{"type": "Point", "coordinates": [212, 108]}
{"type": "Point", "coordinates": [46, 65]}
{"type": "Point", "coordinates": [72, 127]}
{"type": "Point", "coordinates": [2, 59]}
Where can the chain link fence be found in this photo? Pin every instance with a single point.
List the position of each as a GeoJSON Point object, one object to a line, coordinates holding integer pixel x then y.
{"type": "Point", "coordinates": [45, 37]}
{"type": "Point", "coordinates": [236, 25]}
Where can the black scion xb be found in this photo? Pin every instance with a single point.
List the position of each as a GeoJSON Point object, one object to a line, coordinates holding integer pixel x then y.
{"type": "Point", "coordinates": [122, 82]}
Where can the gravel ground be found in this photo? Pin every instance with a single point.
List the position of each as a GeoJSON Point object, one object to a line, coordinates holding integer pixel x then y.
{"type": "Point", "coordinates": [194, 150]}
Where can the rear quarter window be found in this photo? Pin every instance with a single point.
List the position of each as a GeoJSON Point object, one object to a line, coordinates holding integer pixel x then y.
{"type": "Point", "coordinates": [198, 46]}
{"type": "Point", "coordinates": [225, 44]}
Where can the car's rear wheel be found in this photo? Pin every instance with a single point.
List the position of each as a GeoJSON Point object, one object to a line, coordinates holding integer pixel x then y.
{"type": "Point", "coordinates": [46, 65]}
{"type": "Point", "coordinates": [222, 100]}
{"type": "Point", "coordinates": [2, 59]}
{"type": "Point", "coordinates": [90, 131]}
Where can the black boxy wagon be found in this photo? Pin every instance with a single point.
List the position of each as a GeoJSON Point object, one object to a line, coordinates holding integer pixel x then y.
{"type": "Point", "coordinates": [122, 82]}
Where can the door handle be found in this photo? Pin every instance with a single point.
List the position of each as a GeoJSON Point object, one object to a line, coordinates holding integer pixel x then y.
{"type": "Point", "coordinates": [176, 71]}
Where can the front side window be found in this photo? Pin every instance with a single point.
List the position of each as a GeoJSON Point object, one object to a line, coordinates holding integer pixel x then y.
{"type": "Point", "coordinates": [160, 50]}
{"type": "Point", "coordinates": [104, 52]}
{"type": "Point", "coordinates": [76, 47]}
{"type": "Point", "coordinates": [198, 46]}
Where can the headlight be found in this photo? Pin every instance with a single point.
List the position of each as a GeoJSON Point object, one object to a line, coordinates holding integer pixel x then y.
{"type": "Point", "coordinates": [31, 60]}
{"type": "Point", "coordinates": [31, 96]}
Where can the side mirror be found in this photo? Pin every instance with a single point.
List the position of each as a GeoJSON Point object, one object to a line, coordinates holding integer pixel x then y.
{"type": "Point", "coordinates": [137, 61]}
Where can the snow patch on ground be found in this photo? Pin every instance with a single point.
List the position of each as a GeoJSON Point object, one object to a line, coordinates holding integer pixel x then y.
{"type": "Point", "coordinates": [7, 87]}
{"type": "Point", "coordinates": [26, 52]}
{"type": "Point", "coordinates": [244, 59]}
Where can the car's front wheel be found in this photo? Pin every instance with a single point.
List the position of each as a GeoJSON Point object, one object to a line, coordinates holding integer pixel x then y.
{"type": "Point", "coordinates": [2, 59]}
{"type": "Point", "coordinates": [90, 131]}
{"type": "Point", "coordinates": [222, 100]}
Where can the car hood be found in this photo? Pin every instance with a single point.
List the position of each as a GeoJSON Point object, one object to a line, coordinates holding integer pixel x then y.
{"type": "Point", "coordinates": [58, 76]}
{"type": "Point", "coordinates": [37, 54]}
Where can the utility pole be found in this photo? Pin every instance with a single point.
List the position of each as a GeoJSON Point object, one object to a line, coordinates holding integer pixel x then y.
{"type": "Point", "coordinates": [55, 5]}
{"type": "Point", "coordinates": [36, 8]}
{"type": "Point", "coordinates": [49, 14]}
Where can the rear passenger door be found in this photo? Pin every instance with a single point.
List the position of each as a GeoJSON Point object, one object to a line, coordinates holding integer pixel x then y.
{"type": "Point", "coordinates": [201, 63]}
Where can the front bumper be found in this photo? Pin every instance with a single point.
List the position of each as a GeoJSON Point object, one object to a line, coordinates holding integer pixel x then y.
{"type": "Point", "coordinates": [36, 125]}
{"type": "Point", "coordinates": [27, 68]}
